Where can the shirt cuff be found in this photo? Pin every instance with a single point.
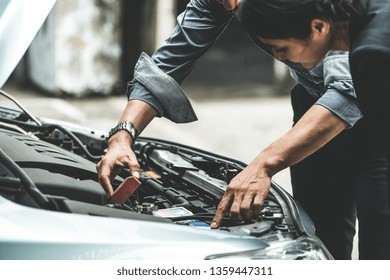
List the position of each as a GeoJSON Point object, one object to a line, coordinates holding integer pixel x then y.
{"type": "Point", "coordinates": [342, 105]}
{"type": "Point", "coordinates": [139, 92]}
{"type": "Point", "coordinates": [170, 97]}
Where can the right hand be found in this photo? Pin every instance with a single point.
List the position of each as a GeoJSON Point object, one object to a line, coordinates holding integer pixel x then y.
{"type": "Point", "coordinates": [119, 155]}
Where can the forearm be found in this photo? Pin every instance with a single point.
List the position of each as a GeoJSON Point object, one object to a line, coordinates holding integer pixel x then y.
{"type": "Point", "coordinates": [316, 128]}
{"type": "Point", "coordinates": [139, 113]}
{"type": "Point", "coordinates": [158, 78]}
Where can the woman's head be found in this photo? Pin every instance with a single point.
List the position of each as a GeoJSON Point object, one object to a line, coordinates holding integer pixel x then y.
{"type": "Point", "coordinates": [297, 30]}
{"type": "Point", "coordinates": [279, 19]}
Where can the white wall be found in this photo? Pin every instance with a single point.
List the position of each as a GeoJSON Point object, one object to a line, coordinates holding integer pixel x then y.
{"type": "Point", "coordinates": [78, 51]}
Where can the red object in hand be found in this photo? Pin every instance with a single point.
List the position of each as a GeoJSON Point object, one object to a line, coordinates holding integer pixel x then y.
{"type": "Point", "coordinates": [125, 189]}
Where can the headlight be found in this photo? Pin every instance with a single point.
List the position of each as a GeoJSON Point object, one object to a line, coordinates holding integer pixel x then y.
{"type": "Point", "coordinates": [302, 248]}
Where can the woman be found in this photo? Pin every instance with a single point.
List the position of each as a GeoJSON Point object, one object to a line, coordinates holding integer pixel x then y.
{"type": "Point", "coordinates": [320, 113]}
{"type": "Point", "coordinates": [306, 32]}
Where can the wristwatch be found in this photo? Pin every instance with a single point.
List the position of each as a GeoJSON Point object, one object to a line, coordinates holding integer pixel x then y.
{"type": "Point", "coordinates": [128, 126]}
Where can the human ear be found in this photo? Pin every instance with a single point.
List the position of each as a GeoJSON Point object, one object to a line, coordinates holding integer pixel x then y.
{"type": "Point", "coordinates": [320, 26]}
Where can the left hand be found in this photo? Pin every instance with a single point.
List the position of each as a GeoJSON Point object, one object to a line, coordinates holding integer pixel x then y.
{"type": "Point", "coordinates": [230, 4]}
{"type": "Point", "coordinates": [248, 190]}
{"type": "Point", "coordinates": [244, 195]}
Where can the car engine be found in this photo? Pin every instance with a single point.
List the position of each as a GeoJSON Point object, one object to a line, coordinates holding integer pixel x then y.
{"type": "Point", "coordinates": [51, 165]}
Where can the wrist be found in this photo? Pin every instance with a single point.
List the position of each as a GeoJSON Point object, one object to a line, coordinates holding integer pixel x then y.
{"type": "Point", "coordinates": [120, 137]}
{"type": "Point", "coordinates": [124, 126]}
{"type": "Point", "coordinates": [268, 165]}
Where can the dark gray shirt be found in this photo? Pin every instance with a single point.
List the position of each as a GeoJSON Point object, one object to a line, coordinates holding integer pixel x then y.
{"type": "Point", "coordinates": [157, 79]}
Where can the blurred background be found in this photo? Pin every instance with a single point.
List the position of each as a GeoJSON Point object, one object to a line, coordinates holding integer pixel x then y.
{"type": "Point", "coordinates": [79, 63]}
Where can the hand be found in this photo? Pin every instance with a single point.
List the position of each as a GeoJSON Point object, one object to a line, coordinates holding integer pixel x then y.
{"type": "Point", "coordinates": [244, 196]}
{"type": "Point", "coordinates": [230, 4]}
{"type": "Point", "coordinates": [118, 156]}
{"type": "Point", "coordinates": [247, 191]}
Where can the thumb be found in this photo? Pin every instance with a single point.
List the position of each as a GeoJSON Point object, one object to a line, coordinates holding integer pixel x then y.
{"type": "Point", "coordinates": [135, 173]}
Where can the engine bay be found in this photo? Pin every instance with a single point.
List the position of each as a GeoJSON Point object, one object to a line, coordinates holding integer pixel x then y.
{"type": "Point", "coordinates": [52, 165]}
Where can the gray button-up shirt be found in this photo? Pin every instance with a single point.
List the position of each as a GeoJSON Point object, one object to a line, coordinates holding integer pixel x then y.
{"type": "Point", "coordinates": [157, 79]}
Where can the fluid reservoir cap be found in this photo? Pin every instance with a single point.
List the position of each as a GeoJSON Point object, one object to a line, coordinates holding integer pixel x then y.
{"type": "Point", "coordinates": [199, 224]}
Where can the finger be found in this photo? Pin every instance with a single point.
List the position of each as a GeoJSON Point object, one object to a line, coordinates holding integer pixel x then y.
{"type": "Point", "coordinates": [257, 205]}
{"type": "Point", "coordinates": [134, 168]}
{"type": "Point", "coordinates": [246, 207]}
{"type": "Point", "coordinates": [235, 210]}
{"type": "Point", "coordinates": [106, 183]}
{"type": "Point", "coordinates": [223, 206]}
{"type": "Point", "coordinates": [104, 178]}
{"type": "Point", "coordinates": [135, 173]}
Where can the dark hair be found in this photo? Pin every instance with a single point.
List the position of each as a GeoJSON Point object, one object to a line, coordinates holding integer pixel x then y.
{"type": "Point", "coordinates": [281, 19]}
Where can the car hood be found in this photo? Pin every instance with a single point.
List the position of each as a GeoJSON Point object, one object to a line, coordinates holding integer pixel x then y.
{"type": "Point", "coordinates": [141, 239]}
{"type": "Point", "coordinates": [20, 21]}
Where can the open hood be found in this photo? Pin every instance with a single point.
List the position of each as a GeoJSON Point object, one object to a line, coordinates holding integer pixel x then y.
{"type": "Point", "coordinates": [20, 21]}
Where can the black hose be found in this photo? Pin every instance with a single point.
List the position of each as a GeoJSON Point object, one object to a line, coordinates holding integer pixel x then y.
{"type": "Point", "coordinates": [76, 139]}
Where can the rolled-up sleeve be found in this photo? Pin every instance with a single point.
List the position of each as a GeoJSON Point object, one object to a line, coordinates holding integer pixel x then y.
{"type": "Point", "coordinates": [340, 96]}
{"type": "Point", "coordinates": [157, 79]}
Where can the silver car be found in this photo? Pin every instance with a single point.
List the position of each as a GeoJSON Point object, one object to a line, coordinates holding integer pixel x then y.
{"type": "Point", "coordinates": [52, 206]}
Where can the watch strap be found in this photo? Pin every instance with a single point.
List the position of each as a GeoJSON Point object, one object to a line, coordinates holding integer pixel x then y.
{"type": "Point", "coordinates": [126, 125]}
